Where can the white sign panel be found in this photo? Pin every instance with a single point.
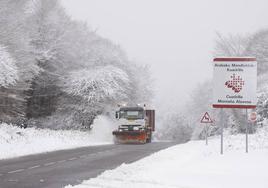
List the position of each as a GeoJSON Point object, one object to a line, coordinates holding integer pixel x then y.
{"type": "Point", "coordinates": [235, 83]}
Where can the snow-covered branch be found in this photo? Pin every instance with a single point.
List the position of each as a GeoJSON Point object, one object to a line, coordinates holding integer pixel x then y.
{"type": "Point", "coordinates": [98, 84]}
{"type": "Point", "coordinates": [8, 68]}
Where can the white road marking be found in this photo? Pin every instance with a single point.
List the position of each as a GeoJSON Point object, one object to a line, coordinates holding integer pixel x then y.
{"type": "Point", "coordinates": [10, 180]}
{"type": "Point", "coordinates": [71, 159]}
{"type": "Point", "coordinates": [19, 170]}
{"type": "Point", "coordinates": [83, 156]}
{"type": "Point", "coordinates": [105, 151]}
{"type": "Point", "coordinates": [42, 181]}
{"type": "Point", "coordinates": [33, 167]}
{"type": "Point", "coordinates": [48, 164]}
{"type": "Point", "coordinates": [62, 161]}
{"type": "Point", "coordinates": [52, 163]}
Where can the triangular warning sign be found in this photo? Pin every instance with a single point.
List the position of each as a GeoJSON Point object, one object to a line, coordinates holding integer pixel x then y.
{"type": "Point", "coordinates": [206, 118]}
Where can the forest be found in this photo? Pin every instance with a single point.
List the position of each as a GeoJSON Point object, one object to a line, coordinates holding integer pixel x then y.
{"type": "Point", "coordinates": [58, 73]}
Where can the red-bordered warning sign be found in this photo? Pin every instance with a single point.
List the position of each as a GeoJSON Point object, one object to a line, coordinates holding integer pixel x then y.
{"type": "Point", "coordinates": [253, 116]}
{"type": "Point", "coordinates": [206, 118]}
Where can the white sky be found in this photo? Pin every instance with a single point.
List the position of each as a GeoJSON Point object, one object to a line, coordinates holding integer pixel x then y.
{"type": "Point", "coordinates": [175, 37]}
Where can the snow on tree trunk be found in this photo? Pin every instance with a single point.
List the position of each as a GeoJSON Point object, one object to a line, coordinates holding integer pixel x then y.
{"type": "Point", "coordinates": [8, 68]}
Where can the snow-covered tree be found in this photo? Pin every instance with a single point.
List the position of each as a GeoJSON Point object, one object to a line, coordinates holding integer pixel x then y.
{"type": "Point", "coordinates": [231, 45]}
{"type": "Point", "coordinates": [47, 27]}
{"type": "Point", "coordinates": [98, 84]}
{"type": "Point", "coordinates": [15, 40]}
{"type": "Point", "coordinates": [8, 68]}
{"type": "Point", "coordinates": [175, 127]}
{"type": "Point", "coordinates": [14, 37]}
{"type": "Point", "coordinates": [142, 84]}
{"type": "Point", "coordinates": [104, 52]}
{"type": "Point", "coordinates": [258, 47]}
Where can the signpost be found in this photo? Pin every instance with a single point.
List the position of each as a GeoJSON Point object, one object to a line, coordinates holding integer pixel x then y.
{"type": "Point", "coordinates": [206, 119]}
{"type": "Point", "coordinates": [252, 118]}
{"type": "Point", "coordinates": [235, 85]}
{"type": "Point", "coordinates": [247, 131]}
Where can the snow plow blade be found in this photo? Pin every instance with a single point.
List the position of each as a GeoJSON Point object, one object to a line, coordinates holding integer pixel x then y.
{"type": "Point", "coordinates": [130, 137]}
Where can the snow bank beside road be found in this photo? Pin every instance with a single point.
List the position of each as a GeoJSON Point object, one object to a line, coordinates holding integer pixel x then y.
{"type": "Point", "coordinates": [194, 165]}
{"type": "Point", "coordinates": [15, 142]}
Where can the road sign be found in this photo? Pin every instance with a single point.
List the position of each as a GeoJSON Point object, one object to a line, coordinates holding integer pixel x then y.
{"type": "Point", "coordinates": [253, 116]}
{"type": "Point", "coordinates": [206, 118]}
{"type": "Point", "coordinates": [235, 82]}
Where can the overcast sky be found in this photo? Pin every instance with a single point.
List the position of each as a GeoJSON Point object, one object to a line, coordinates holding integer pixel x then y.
{"type": "Point", "coordinates": [175, 37]}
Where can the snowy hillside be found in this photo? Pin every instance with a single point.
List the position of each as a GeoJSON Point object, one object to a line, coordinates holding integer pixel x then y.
{"type": "Point", "coordinates": [195, 165]}
{"type": "Point", "coordinates": [15, 141]}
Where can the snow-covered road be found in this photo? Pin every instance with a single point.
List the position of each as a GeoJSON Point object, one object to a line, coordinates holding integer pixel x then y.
{"type": "Point", "coordinates": [60, 168]}
{"type": "Point", "coordinates": [195, 165]}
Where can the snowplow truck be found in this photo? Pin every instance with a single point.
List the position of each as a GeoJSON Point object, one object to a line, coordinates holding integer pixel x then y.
{"type": "Point", "coordinates": [136, 125]}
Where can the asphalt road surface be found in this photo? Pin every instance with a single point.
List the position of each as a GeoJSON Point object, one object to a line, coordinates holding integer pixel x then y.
{"type": "Point", "coordinates": [60, 168]}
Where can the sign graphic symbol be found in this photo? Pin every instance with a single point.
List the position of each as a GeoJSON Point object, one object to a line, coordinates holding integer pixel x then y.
{"type": "Point", "coordinates": [236, 83]}
{"type": "Point", "coordinates": [206, 118]}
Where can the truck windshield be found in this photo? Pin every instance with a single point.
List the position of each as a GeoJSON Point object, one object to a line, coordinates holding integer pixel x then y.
{"type": "Point", "coordinates": [138, 114]}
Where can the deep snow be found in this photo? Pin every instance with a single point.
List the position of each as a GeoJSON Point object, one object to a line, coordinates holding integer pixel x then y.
{"type": "Point", "coordinates": [15, 142]}
{"type": "Point", "coordinates": [195, 165]}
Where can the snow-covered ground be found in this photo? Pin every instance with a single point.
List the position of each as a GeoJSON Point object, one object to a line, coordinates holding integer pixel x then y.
{"type": "Point", "coordinates": [15, 142]}
{"type": "Point", "coordinates": [195, 165]}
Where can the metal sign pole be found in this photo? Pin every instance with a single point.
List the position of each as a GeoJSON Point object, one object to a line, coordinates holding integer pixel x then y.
{"type": "Point", "coordinates": [222, 124]}
{"type": "Point", "coordinates": [206, 134]}
{"type": "Point", "coordinates": [246, 130]}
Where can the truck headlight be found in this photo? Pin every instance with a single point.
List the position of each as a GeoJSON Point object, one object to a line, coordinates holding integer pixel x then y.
{"type": "Point", "coordinates": [136, 128]}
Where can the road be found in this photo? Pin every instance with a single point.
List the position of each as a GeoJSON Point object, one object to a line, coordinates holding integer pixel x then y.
{"type": "Point", "coordinates": [60, 168]}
